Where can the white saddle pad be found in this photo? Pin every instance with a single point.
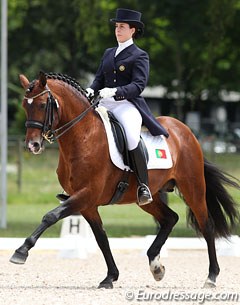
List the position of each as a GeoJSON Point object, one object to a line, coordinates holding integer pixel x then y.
{"type": "Point", "coordinates": [158, 151]}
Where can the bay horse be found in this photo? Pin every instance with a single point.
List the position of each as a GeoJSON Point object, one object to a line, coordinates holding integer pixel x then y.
{"type": "Point", "coordinates": [56, 107]}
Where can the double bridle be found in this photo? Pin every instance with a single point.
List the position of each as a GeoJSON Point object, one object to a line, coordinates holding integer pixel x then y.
{"type": "Point", "coordinates": [48, 133]}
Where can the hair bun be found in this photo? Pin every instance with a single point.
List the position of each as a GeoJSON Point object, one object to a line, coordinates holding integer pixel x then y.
{"type": "Point", "coordinates": [139, 33]}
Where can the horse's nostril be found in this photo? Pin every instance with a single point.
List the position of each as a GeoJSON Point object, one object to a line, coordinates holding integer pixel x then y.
{"type": "Point", "coordinates": [36, 145]}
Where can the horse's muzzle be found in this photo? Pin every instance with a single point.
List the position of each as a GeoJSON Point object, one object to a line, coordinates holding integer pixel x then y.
{"type": "Point", "coordinates": [36, 147]}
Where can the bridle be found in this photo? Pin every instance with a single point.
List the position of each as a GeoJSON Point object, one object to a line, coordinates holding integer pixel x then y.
{"type": "Point", "coordinates": [48, 133]}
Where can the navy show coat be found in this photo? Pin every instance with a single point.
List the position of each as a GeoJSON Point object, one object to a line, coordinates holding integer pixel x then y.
{"type": "Point", "coordinates": [128, 72]}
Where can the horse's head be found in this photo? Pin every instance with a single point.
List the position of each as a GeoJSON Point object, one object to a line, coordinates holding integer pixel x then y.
{"type": "Point", "coordinates": [40, 108]}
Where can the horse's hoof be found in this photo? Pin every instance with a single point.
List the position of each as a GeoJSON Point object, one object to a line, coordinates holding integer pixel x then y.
{"type": "Point", "coordinates": [158, 273]}
{"type": "Point", "coordinates": [209, 284]}
{"type": "Point", "coordinates": [18, 258]}
{"type": "Point", "coordinates": [106, 285]}
{"type": "Point", "coordinates": [157, 269]}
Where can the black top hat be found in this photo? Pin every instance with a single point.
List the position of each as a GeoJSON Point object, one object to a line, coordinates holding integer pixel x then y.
{"type": "Point", "coordinates": [128, 16]}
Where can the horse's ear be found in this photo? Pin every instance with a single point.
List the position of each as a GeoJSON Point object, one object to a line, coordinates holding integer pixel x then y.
{"type": "Point", "coordinates": [24, 81]}
{"type": "Point", "coordinates": [42, 79]}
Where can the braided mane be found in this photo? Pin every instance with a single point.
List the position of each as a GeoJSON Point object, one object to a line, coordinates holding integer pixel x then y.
{"type": "Point", "coordinates": [67, 79]}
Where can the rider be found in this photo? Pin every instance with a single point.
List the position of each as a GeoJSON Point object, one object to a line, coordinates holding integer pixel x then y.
{"type": "Point", "coordinates": [120, 79]}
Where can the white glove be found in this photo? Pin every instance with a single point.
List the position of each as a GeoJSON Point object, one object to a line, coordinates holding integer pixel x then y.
{"type": "Point", "coordinates": [107, 92]}
{"type": "Point", "coordinates": [89, 92]}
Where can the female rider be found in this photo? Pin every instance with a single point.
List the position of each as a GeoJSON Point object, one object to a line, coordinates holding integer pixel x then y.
{"type": "Point", "coordinates": [120, 79]}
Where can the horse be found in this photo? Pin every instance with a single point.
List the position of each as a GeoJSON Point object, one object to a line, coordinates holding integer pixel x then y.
{"type": "Point", "coordinates": [57, 108]}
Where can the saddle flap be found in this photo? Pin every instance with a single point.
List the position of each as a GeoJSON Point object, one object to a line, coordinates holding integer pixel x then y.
{"type": "Point", "coordinates": [119, 137]}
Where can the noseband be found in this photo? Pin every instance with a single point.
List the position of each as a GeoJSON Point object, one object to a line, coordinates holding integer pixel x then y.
{"type": "Point", "coordinates": [48, 133]}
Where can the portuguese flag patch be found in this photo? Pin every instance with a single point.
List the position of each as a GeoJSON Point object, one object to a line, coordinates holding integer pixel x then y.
{"type": "Point", "coordinates": [161, 153]}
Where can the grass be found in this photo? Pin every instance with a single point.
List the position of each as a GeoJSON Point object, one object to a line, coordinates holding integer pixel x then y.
{"type": "Point", "coordinates": [22, 220]}
{"type": "Point", "coordinates": [29, 200]}
{"type": "Point", "coordinates": [124, 220]}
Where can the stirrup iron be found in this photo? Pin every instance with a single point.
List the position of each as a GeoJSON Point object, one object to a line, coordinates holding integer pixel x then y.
{"type": "Point", "coordinates": [143, 195]}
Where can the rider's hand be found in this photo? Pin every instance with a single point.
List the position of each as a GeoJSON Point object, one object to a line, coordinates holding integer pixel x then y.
{"type": "Point", "coordinates": [107, 92]}
{"type": "Point", "coordinates": [89, 93]}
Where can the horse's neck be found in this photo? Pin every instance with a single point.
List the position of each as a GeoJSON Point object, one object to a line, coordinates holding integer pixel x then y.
{"type": "Point", "coordinates": [85, 131]}
{"type": "Point", "coordinates": [81, 147]}
{"type": "Point", "coordinates": [70, 106]}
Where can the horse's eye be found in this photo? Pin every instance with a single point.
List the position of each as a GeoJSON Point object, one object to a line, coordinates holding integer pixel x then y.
{"type": "Point", "coordinates": [43, 105]}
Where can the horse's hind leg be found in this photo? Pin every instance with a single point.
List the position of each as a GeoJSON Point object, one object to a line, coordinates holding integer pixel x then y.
{"type": "Point", "coordinates": [208, 234]}
{"type": "Point", "coordinates": [193, 192]}
{"type": "Point", "coordinates": [93, 218]}
{"type": "Point", "coordinates": [167, 218]}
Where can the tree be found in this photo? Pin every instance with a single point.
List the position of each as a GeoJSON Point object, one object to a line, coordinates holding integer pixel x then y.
{"type": "Point", "coordinates": [190, 45]}
{"type": "Point", "coordinates": [63, 39]}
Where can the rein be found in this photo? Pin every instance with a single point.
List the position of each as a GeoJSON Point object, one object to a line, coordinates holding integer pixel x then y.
{"type": "Point", "coordinates": [49, 134]}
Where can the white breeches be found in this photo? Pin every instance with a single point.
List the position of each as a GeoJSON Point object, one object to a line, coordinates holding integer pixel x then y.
{"type": "Point", "coordinates": [128, 115]}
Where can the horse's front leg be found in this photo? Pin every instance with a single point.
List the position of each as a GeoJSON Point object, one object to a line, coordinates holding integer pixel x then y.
{"type": "Point", "coordinates": [93, 218]}
{"type": "Point", "coordinates": [60, 212]}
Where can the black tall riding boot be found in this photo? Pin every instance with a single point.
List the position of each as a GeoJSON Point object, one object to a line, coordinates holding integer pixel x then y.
{"type": "Point", "coordinates": [139, 166]}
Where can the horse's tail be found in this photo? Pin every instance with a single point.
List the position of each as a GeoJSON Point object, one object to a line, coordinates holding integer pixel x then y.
{"type": "Point", "coordinates": [221, 206]}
